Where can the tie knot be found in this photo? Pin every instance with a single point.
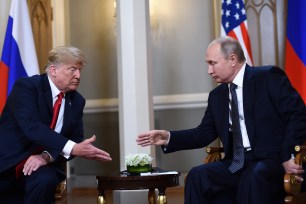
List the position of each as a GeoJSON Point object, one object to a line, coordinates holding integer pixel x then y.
{"type": "Point", "coordinates": [233, 86]}
{"type": "Point", "coordinates": [60, 95]}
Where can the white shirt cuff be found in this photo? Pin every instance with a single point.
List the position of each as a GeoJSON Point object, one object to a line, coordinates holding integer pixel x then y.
{"type": "Point", "coordinates": [168, 139]}
{"type": "Point", "coordinates": [166, 145]}
{"type": "Point", "coordinates": [67, 149]}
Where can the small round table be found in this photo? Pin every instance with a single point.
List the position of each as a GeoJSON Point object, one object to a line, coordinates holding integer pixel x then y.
{"type": "Point", "coordinates": [151, 182]}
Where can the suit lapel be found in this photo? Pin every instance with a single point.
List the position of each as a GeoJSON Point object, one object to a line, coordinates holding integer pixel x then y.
{"type": "Point", "coordinates": [248, 101]}
{"type": "Point", "coordinates": [47, 93]}
{"type": "Point", "coordinates": [223, 107]}
{"type": "Point", "coordinates": [67, 112]}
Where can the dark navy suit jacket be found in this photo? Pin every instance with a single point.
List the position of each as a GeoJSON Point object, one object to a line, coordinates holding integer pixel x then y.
{"type": "Point", "coordinates": [25, 120]}
{"type": "Point", "coordinates": [274, 114]}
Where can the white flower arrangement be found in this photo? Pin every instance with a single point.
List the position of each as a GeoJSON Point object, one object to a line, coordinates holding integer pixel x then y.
{"type": "Point", "coordinates": [137, 159]}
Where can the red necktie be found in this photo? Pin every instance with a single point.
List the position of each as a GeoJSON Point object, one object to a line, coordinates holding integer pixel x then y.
{"type": "Point", "coordinates": [56, 108]}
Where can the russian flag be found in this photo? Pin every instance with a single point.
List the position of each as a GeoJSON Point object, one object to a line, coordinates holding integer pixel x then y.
{"type": "Point", "coordinates": [18, 54]}
{"type": "Point", "coordinates": [295, 61]}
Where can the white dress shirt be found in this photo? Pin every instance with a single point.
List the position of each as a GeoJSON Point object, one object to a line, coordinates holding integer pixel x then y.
{"type": "Point", "coordinates": [238, 80]}
{"type": "Point", "coordinates": [59, 124]}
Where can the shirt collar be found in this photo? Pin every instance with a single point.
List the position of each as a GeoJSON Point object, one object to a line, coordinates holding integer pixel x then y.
{"type": "Point", "coordinates": [238, 80]}
{"type": "Point", "coordinates": [55, 91]}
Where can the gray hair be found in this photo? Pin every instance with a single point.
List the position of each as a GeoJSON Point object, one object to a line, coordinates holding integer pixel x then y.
{"type": "Point", "coordinates": [230, 46]}
{"type": "Point", "coordinates": [65, 55]}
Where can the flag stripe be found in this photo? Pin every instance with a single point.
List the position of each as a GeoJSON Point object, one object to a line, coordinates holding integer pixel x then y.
{"type": "Point", "coordinates": [238, 35]}
{"type": "Point", "coordinates": [295, 58]}
{"type": "Point", "coordinates": [3, 84]}
{"type": "Point", "coordinates": [234, 24]}
{"type": "Point", "coordinates": [297, 70]}
{"type": "Point", "coordinates": [11, 57]}
{"type": "Point", "coordinates": [22, 33]}
{"type": "Point", "coordinates": [246, 39]}
{"type": "Point", "coordinates": [296, 27]}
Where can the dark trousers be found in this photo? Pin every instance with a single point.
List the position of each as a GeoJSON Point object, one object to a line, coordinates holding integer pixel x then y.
{"type": "Point", "coordinates": [258, 182]}
{"type": "Point", "coordinates": [38, 188]}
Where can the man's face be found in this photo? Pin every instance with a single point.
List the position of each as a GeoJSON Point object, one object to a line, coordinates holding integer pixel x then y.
{"type": "Point", "coordinates": [66, 76]}
{"type": "Point", "coordinates": [219, 68]}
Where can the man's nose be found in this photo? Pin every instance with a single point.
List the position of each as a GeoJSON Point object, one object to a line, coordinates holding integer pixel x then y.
{"type": "Point", "coordinates": [210, 69]}
{"type": "Point", "coordinates": [77, 73]}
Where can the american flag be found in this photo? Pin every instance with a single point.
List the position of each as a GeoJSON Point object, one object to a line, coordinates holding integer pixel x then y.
{"type": "Point", "coordinates": [234, 24]}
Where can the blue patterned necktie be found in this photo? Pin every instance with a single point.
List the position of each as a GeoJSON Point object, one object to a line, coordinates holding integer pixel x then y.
{"type": "Point", "coordinates": [238, 149]}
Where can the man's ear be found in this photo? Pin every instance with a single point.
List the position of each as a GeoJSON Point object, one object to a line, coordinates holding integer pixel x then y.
{"type": "Point", "coordinates": [52, 70]}
{"type": "Point", "coordinates": [233, 59]}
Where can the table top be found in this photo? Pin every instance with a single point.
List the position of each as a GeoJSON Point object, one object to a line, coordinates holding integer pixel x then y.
{"type": "Point", "coordinates": [127, 182]}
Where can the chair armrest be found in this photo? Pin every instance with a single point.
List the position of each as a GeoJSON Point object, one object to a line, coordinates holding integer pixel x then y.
{"type": "Point", "coordinates": [292, 186]}
{"type": "Point", "coordinates": [60, 190]}
{"type": "Point", "coordinates": [214, 154]}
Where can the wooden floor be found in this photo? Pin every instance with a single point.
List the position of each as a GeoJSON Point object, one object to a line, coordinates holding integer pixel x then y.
{"type": "Point", "coordinates": [175, 195]}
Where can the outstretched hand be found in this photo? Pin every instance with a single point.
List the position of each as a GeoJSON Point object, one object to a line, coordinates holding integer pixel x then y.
{"type": "Point", "coordinates": [86, 150]}
{"type": "Point", "coordinates": [153, 137]}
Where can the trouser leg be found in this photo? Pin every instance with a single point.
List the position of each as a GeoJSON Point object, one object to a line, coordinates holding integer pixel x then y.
{"type": "Point", "coordinates": [210, 183]}
{"type": "Point", "coordinates": [261, 182]}
{"type": "Point", "coordinates": [40, 186]}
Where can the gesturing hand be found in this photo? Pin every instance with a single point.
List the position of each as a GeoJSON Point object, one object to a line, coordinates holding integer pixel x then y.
{"type": "Point", "coordinates": [153, 137]}
{"type": "Point", "coordinates": [86, 150]}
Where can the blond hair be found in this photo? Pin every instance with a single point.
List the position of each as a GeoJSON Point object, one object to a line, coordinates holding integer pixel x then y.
{"type": "Point", "coordinates": [65, 55]}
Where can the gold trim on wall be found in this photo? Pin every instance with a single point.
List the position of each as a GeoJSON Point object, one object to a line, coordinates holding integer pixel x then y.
{"type": "Point", "coordinates": [41, 17]}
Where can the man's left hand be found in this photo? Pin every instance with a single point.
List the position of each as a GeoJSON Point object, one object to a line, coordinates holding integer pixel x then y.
{"type": "Point", "coordinates": [33, 163]}
{"type": "Point", "coordinates": [291, 167]}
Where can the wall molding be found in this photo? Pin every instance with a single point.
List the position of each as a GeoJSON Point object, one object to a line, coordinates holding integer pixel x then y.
{"type": "Point", "coordinates": [162, 102]}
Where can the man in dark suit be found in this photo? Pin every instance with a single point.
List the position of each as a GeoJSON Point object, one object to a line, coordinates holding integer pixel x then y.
{"type": "Point", "coordinates": [32, 151]}
{"type": "Point", "coordinates": [271, 120]}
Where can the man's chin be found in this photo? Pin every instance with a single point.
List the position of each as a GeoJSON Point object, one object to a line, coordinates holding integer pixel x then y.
{"type": "Point", "coordinates": [73, 87]}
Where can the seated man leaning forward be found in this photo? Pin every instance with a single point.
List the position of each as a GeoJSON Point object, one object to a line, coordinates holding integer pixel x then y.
{"type": "Point", "coordinates": [36, 139]}
{"type": "Point", "coordinates": [257, 115]}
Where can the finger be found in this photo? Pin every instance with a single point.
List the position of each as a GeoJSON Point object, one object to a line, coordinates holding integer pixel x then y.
{"type": "Point", "coordinates": [26, 167]}
{"type": "Point", "coordinates": [299, 178]}
{"type": "Point", "coordinates": [27, 170]}
{"type": "Point", "coordinates": [99, 157]}
{"type": "Point", "coordinates": [101, 152]}
{"type": "Point", "coordinates": [142, 135]}
{"type": "Point", "coordinates": [297, 171]}
{"type": "Point", "coordinates": [299, 167]}
{"type": "Point", "coordinates": [30, 171]}
{"type": "Point", "coordinates": [141, 140]}
{"type": "Point", "coordinates": [92, 139]}
{"type": "Point", "coordinates": [145, 143]}
{"type": "Point", "coordinates": [103, 158]}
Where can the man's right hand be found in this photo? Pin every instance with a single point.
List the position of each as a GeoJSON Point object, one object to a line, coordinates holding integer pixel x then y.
{"type": "Point", "coordinates": [86, 150]}
{"type": "Point", "coordinates": [153, 137]}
